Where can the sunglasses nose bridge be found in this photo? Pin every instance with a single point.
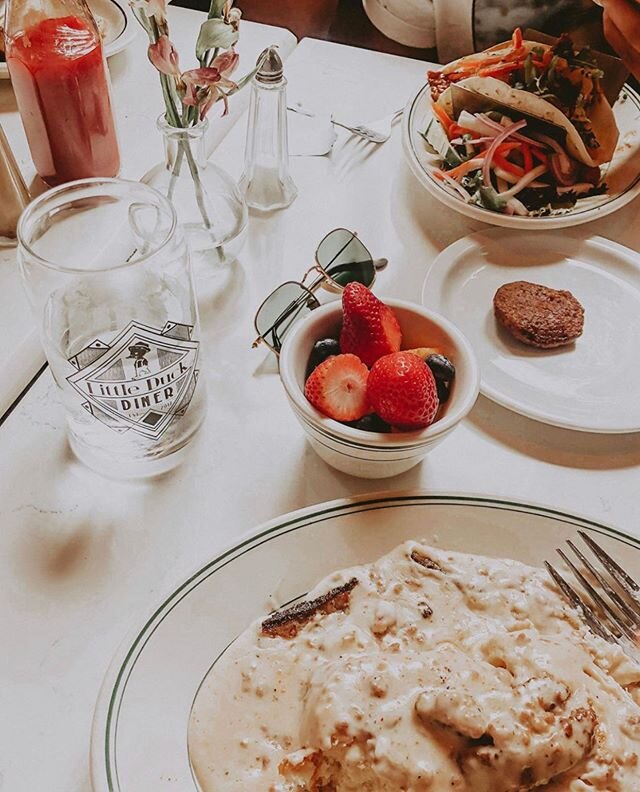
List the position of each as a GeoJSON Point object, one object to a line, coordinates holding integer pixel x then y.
{"type": "Point", "coordinates": [314, 268]}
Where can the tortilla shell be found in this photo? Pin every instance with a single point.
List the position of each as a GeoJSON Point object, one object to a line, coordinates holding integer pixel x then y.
{"type": "Point", "coordinates": [601, 115]}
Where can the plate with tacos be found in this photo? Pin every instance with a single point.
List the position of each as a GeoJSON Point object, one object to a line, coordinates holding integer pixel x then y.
{"type": "Point", "coordinates": [531, 133]}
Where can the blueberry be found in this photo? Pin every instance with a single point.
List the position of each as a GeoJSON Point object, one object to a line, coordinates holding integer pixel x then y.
{"type": "Point", "coordinates": [441, 367]}
{"type": "Point", "coordinates": [443, 390]}
{"type": "Point", "coordinates": [371, 423]}
{"type": "Point", "coordinates": [322, 349]}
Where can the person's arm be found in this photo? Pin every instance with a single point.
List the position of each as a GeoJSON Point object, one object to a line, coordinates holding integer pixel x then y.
{"type": "Point", "coordinates": [302, 17]}
{"type": "Point", "coordinates": [622, 29]}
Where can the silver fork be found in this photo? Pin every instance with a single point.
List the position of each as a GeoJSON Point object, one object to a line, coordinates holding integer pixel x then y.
{"type": "Point", "coordinates": [612, 608]}
{"type": "Point", "coordinates": [378, 132]}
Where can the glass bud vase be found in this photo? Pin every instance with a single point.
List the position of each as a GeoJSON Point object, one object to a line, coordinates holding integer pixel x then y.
{"type": "Point", "coordinates": [210, 208]}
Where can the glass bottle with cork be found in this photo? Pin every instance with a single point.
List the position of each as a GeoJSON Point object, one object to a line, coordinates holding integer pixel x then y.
{"type": "Point", "coordinates": [59, 76]}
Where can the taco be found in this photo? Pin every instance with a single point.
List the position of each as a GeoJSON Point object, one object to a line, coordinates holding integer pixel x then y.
{"type": "Point", "coordinates": [553, 82]}
{"type": "Point", "coordinates": [523, 127]}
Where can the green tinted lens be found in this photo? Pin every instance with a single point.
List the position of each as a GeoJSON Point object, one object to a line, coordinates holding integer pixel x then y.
{"type": "Point", "coordinates": [281, 309]}
{"type": "Point", "coordinates": [345, 259]}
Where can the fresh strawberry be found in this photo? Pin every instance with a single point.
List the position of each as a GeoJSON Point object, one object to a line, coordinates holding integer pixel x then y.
{"type": "Point", "coordinates": [338, 388]}
{"type": "Point", "coordinates": [402, 391]}
{"type": "Point", "coordinates": [369, 327]}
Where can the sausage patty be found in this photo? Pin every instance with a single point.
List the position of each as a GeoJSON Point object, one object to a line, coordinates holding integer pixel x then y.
{"type": "Point", "coordinates": [538, 315]}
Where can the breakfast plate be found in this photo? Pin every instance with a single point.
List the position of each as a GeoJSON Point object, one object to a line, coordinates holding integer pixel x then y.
{"type": "Point", "coordinates": [115, 23]}
{"type": "Point", "coordinates": [622, 175]}
{"type": "Point", "coordinates": [590, 385]}
{"type": "Point", "coordinates": [139, 739]}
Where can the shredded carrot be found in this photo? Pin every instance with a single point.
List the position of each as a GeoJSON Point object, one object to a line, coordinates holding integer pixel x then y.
{"type": "Point", "coordinates": [510, 145]}
{"type": "Point", "coordinates": [540, 155]}
{"type": "Point", "coordinates": [463, 168]}
{"type": "Point", "coordinates": [442, 117]}
{"type": "Point", "coordinates": [457, 131]}
{"type": "Point", "coordinates": [510, 167]}
{"type": "Point", "coordinates": [505, 68]}
{"type": "Point", "coordinates": [517, 38]}
{"type": "Point", "coordinates": [547, 57]}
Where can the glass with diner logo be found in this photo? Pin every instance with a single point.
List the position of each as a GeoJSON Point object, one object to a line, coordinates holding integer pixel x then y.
{"type": "Point", "coordinates": [107, 272]}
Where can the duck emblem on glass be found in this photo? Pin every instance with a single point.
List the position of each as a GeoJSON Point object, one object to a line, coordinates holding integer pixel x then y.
{"type": "Point", "coordinates": [142, 380]}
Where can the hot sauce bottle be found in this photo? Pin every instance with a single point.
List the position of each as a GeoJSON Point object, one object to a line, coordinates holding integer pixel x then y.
{"type": "Point", "coordinates": [59, 76]}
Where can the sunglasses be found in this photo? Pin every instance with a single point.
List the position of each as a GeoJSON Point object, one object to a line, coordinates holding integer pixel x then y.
{"type": "Point", "coordinates": [341, 258]}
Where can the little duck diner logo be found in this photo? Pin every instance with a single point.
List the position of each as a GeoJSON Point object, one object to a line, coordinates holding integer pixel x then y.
{"type": "Point", "coordinates": [140, 381]}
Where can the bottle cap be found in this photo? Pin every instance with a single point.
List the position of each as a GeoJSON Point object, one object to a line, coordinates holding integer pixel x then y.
{"type": "Point", "coordinates": [271, 70]}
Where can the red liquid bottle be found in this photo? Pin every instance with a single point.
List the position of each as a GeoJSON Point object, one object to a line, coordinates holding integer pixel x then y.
{"type": "Point", "coordinates": [59, 76]}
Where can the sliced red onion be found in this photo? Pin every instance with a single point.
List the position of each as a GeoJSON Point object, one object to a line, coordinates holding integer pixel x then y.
{"type": "Point", "coordinates": [549, 141]}
{"type": "Point", "coordinates": [563, 169]}
{"type": "Point", "coordinates": [505, 176]}
{"type": "Point", "coordinates": [506, 133]}
{"type": "Point", "coordinates": [459, 141]}
{"type": "Point", "coordinates": [525, 181]}
{"type": "Point", "coordinates": [511, 179]}
{"type": "Point", "coordinates": [455, 188]}
{"type": "Point", "coordinates": [498, 128]}
{"type": "Point", "coordinates": [517, 207]}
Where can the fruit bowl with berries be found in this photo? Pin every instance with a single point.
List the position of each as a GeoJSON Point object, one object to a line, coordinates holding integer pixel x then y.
{"type": "Point", "coordinates": [376, 385]}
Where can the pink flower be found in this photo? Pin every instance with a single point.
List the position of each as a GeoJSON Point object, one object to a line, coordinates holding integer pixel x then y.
{"type": "Point", "coordinates": [204, 86]}
{"type": "Point", "coordinates": [226, 62]}
{"type": "Point", "coordinates": [164, 57]}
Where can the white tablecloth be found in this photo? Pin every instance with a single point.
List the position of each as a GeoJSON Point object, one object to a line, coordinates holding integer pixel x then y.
{"type": "Point", "coordinates": [80, 558]}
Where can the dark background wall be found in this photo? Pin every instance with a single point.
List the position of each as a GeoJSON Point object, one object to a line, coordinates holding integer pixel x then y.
{"type": "Point", "coordinates": [345, 21]}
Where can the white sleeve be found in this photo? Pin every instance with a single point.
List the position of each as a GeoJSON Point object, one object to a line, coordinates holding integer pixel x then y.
{"type": "Point", "coordinates": [409, 22]}
{"type": "Point", "coordinates": [454, 28]}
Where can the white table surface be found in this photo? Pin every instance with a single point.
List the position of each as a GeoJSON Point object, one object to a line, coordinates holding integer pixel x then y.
{"type": "Point", "coordinates": [81, 559]}
{"type": "Point", "coordinates": [137, 102]}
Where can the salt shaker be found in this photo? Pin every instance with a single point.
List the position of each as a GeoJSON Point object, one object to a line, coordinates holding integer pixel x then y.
{"type": "Point", "coordinates": [13, 191]}
{"type": "Point", "coordinates": [266, 181]}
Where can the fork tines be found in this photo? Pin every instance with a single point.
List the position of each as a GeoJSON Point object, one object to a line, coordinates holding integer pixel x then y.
{"type": "Point", "coordinates": [612, 608]}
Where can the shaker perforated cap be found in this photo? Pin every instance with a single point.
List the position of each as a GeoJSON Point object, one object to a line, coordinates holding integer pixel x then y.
{"type": "Point", "coordinates": [271, 70]}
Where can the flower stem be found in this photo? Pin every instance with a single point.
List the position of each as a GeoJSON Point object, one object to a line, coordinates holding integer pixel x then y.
{"type": "Point", "coordinates": [184, 149]}
{"type": "Point", "coordinates": [172, 102]}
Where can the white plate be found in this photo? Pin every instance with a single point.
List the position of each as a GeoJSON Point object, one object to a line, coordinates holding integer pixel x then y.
{"type": "Point", "coordinates": [139, 740]}
{"type": "Point", "coordinates": [116, 23]}
{"type": "Point", "coordinates": [591, 385]}
{"type": "Point", "coordinates": [622, 174]}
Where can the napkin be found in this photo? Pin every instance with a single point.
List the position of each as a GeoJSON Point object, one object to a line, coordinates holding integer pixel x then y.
{"type": "Point", "coordinates": [310, 135]}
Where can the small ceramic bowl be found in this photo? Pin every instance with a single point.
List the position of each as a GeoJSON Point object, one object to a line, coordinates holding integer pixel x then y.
{"type": "Point", "coordinates": [377, 454]}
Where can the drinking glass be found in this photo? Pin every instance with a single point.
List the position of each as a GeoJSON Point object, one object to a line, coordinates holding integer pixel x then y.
{"type": "Point", "coordinates": [107, 272]}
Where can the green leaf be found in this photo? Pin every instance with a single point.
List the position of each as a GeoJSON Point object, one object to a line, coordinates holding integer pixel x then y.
{"type": "Point", "coordinates": [143, 19]}
{"type": "Point", "coordinates": [215, 33]}
{"type": "Point", "coordinates": [244, 80]}
{"type": "Point", "coordinates": [215, 9]}
{"type": "Point", "coordinates": [529, 72]}
{"type": "Point", "coordinates": [437, 141]}
{"type": "Point", "coordinates": [490, 199]}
